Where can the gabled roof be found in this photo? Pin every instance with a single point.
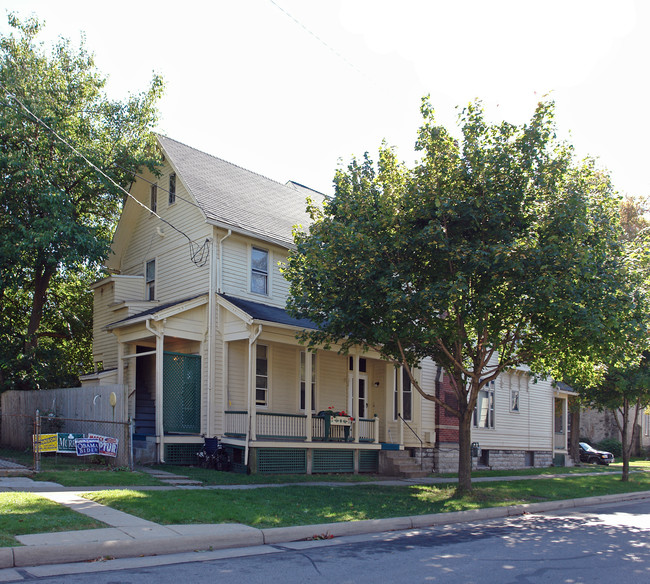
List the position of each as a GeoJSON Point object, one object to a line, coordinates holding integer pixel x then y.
{"type": "Point", "coordinates": [236, 198]}
{"type": "Point", "coordinates": [264, 312]}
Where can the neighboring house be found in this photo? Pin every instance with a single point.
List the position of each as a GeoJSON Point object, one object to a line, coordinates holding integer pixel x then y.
{"type": "Point", "coordinates": [192, 322]}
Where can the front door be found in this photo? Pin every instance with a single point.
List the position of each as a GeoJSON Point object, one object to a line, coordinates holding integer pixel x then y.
{"type": "Point", "coordinates": [363, 394]}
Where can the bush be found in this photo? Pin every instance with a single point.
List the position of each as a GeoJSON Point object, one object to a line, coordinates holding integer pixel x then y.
{"type": "Point", "coordinates": [611, 445]}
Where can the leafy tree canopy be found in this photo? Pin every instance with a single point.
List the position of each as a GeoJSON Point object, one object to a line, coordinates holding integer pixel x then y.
{"type": "Point", "coordinates": [57, 212]}
{"type": "Point", "coordinates": [490, 252]}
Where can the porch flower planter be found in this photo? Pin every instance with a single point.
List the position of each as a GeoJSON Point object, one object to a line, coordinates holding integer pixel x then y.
{"type": "Point", "coordinates": [334, 418]}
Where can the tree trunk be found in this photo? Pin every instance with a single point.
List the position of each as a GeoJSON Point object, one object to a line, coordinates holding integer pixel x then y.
{"type": "Point", "coordinates": [42, 280]}
{"type": "Point", "coordinates": [464, 454]}
{"type": "Point", "coordinates": [574, 439]}
{"type": "Point", "coordinates": [624, 442]}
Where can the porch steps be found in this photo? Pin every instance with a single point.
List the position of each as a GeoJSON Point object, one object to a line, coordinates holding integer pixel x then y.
{"type": "Point", "coordinates": [399, 463]}
{"type": "Point", "coordinates": [145, 416]}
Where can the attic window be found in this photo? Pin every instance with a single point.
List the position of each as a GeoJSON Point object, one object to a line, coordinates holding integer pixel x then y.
{"type": "Point", "coordinates": [172, 188]}
{"type": "Point", "coordinates": [259, 271]}
{"type": "Point", "coordinates": [153, 201]}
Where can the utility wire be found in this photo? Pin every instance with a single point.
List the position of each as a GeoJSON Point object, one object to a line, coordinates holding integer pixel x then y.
{"type": "Point", "coordinates": [320, 40]}
{"type": "Point", "coordinates": [198, 254]}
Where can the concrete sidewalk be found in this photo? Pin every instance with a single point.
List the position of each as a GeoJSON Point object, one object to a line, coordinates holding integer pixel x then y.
{"type": "Point", "coordinates": [129, 536]}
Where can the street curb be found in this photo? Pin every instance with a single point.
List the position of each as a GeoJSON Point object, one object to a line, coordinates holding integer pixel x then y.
{"type": "Point", "coordinates": [25, 556]}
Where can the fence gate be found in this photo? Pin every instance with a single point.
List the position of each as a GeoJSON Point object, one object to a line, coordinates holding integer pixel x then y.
{"type": "Point", "coordinates": [181, 393]}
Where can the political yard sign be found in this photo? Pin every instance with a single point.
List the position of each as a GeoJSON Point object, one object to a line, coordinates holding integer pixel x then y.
{"type": "Point", "coordinates": [76, 443]}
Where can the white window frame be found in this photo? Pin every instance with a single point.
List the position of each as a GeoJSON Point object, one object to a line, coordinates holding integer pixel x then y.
{"type": "Point", "coordinates": [486, 396]}
{"type": "Point", "coordinates": [515, 394]}
{"type": "Point", "coordinates": [150, 284]}
{"type": "Point", "coordinates": [263, 404]}
{"type": "Point", "coordinates": [153, 198]}
{"type": "Point", "coordinates": [255, 271]}
{"type": "Point", "coordinates": [171, 199]}
{"type": "Point", "coordinates": [301, 383]}
{"type": "Point", "coordinates": [407, 393]}
{"type": "Point", "coordinates": [646, 424]}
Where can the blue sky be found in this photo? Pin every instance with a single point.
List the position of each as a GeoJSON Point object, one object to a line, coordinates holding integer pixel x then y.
{"type": "Point", "coordinates": [288, 88]}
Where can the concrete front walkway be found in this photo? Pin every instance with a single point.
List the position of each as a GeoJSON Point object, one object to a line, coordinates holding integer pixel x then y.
{"type": "Point", "coordinates": [129, 536]}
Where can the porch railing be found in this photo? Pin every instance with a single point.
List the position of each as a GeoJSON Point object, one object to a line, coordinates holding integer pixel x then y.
{"type": "Point", "coordinates": [274, 426]}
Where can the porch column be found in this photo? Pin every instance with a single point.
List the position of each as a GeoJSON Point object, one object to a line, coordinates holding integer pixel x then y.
{"type": "Point", "coordinates": [308, 385]}
{"type": "Point", "coordinates": [160, 432]}
{"type": "Point", "coordinates": [400, 402]}
{"type": "Point", "coordinates": [355, 396]}
{"type": "Point", "coordinates": [252, 407]}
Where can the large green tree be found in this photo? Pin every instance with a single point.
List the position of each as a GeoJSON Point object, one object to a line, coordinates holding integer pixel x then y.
{"type": "Point", "coordinates": [57, 212]}
{"type": "Point", "coordinates": [624, 389]}
{"type": "Point", "coordinates": [492, 251]}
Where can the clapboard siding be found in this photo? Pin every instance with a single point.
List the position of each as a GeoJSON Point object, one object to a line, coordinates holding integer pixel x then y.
{"type": "Point", "coordinates": [107, 293]}
{"type": "Point", "coordinates": [428, 384]}
{"type": "Point", "coordinates": [528, 429]}
{"type": "Point", "coordinates": [237, 376]}
{"type": "Point", "coordinates": [236, 271]}
{"type": "Point", "coordinates": [150, 238]}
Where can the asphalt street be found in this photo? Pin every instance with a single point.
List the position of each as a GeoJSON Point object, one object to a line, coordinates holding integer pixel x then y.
{"type": "Point", "coordinates": [606, 543]}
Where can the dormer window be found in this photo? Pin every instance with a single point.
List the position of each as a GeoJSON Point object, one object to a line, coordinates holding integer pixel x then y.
{"type": "Point", "coordinates": [172, 188]}
{"type": "Point", "coordinates": [259, 271]}
{"type": "Point", "coordinates": [150, 280]}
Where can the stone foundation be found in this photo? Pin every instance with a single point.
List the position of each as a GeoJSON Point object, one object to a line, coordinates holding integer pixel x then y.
{"type": "Point", "coordinates": [445, 459]}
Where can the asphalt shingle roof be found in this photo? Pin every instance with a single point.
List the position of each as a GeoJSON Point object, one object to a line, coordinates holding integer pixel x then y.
{"type": "Point", "coordinates": [259, 311]}
{"type": "Point", "coordinates": [237, 197]}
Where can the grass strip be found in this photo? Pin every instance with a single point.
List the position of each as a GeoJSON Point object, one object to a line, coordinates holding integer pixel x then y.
{"type": "Point", "coordinates": [23, 513]}
{"type": "Point", "coordinates": [293, 505]}
{"type": "Point", "coordinates": [213, 477]}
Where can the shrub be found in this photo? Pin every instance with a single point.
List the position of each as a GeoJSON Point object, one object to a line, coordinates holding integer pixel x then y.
{"type": "Point", "coordinates": [611, 445]}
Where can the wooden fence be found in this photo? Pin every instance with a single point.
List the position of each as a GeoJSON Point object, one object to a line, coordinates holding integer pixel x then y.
{"type": "Point", "coordinates": [75, 409]}
{"type": "Point", "coordinates": [82, 403]}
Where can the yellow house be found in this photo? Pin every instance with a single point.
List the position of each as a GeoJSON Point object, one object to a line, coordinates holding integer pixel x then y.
{"type": "Point", "coordinates": [192, 323]}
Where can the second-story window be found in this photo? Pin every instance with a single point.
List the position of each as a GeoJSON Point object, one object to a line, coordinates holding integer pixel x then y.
{"type": "Point", "coordinates": [153, 199]}
{"type": "Point", "coordinates": [484, 409]}
{"type": "Point", "coordinates": [150, 280]}
{"type": "Point", "coordinates": [172, 188]}
{"type": "Point", "coordinates": [259, 271]}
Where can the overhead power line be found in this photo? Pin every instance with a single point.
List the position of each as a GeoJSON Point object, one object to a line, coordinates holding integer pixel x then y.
{"type": "Point", "coordinates": [198, 253]}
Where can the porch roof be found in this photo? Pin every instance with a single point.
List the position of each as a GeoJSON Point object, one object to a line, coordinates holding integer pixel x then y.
{"type": "Point", "coordinates": [267, 313]}
{"type": "Point", "coordinates": [151, 312]}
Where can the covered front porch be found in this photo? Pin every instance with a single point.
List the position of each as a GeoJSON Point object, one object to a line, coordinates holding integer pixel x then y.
{"type": "Point", "coordinates": [281, 400]}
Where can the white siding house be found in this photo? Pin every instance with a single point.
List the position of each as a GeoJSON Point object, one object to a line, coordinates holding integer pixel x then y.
{"type": "Point", "coordinates": [191, 322]}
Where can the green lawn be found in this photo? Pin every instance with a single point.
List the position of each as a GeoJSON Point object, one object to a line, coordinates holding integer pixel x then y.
{"type": "Point", "coordinates": [213, 477]}
{"type": "Point", "coordinates": [23, 513]}
{"type": "Point", "coordinates": [72, 471]}
{"type": "Point", "coordinates": [295, 505]}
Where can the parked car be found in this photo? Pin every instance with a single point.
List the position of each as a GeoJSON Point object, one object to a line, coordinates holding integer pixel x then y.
{"type": "Point", "coordinates": [590, 454]}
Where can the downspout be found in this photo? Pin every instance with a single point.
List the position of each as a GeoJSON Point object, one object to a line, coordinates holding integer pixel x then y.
{"type": "Point", "coordinates": [159, 387]}
{"type": "Point", "coordinates": [251, 401]}
{"type": "Point", "coordinates": [225, 386]}
{"type": "Point", "coordinates": [220, 272]}
{"type": "Point", "coordinates": [211, 330]}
